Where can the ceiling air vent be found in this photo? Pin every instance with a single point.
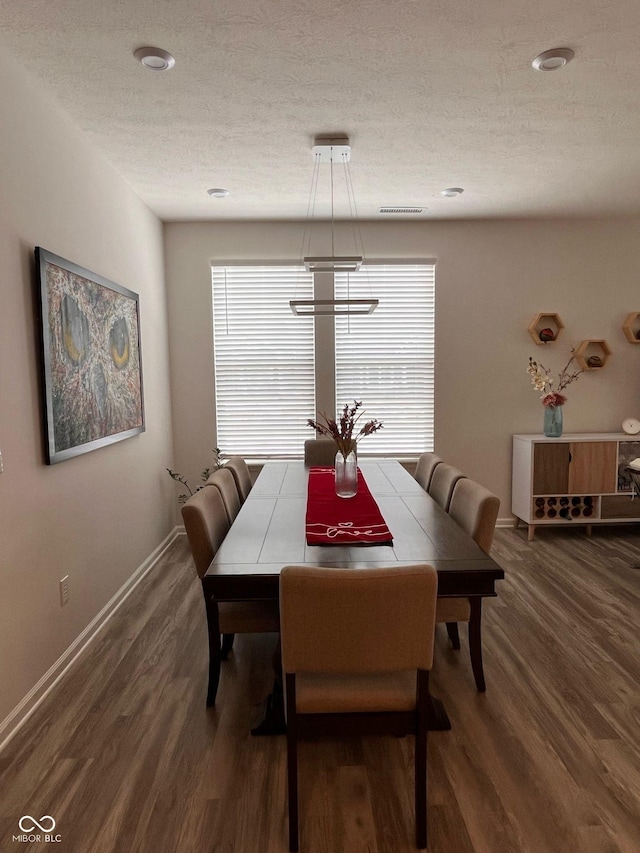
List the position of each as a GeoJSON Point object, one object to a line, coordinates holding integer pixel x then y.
{"type": "Point", "coordinates": [401, 209]}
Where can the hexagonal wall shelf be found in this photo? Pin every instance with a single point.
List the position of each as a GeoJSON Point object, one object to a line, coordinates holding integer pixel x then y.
{"type": "Point", "coordinates": [545, 328]}
{"type": "Point", "coordinates": [592, 354]}
{"type": "Point", "coordinates": [631, 327]}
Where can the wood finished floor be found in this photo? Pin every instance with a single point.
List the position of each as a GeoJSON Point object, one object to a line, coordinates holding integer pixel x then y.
{"type": "Point", "coordinates": [125, 756]}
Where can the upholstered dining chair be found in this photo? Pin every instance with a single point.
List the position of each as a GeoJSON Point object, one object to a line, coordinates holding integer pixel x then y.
{"type": "Point", "coordinates": [424, 469]}
{"type": "Point", "coordinates": [241, 475]}
{"type": "Point", "coordinates": [206, 522]}
{"type": "Point", "coordinates": [357, 648]}
{"type": "Point", "coordinates": [475, 509]}
{"type": "Point", "coordinates": [442, 482]}
{"type": "Point", "coordinates": [319, 451]}
{"type": "Point", "coordinates": [224, 481]}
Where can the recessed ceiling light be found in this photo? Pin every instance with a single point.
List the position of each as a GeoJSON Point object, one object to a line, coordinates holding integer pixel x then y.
{"type": "Point", "coordinates": [551, 60]}
{"type": "Point", "coordinates": [155, 58]}
{"type": "Point", "coordinates": [218, 192]}
{"type": "Point", "coordinates": [451, 192]}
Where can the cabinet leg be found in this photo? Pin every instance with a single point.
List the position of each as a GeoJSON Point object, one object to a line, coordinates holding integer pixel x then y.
{"type": "Point", "coordinates": [531, 532]}
{"type": "Point", "coordinates": [516, 522]}
{"type": "Point", "coordinates": [589, 529]}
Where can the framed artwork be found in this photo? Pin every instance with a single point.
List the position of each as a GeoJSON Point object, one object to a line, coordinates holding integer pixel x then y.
{"type": "Point", "coordinates": [91, 359]}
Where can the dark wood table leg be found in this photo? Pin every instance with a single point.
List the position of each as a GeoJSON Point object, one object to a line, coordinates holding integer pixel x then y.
{"type": "Point", "coordinates": [438, 718]}
{"type": "Point", "coordinates": [273, 721]}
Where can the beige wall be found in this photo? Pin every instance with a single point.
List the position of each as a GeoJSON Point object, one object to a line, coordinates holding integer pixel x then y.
{"type": "Point", "coordinates": [99, 516]}
{"type": "Point", "coordinates": [491, 279]}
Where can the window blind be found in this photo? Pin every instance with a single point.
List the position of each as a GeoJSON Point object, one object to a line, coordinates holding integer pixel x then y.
{"type": "Point", "coordinates": [386, 359]}
{"type": "Point", "coordinates": [264, 360]}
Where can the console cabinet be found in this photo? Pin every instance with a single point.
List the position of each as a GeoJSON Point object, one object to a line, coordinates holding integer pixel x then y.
{"type": "Point", "coordinates": [579, 478]}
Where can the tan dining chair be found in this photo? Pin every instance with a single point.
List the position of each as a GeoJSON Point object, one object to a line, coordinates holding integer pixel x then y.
{"type": "Point", "coordinates": [206, 523]}
{"type": "Point", "coordinates": [320, 452]}
{"type": "Point", "coordinates": [475, 509]}
{"type": "Point", "coordinates": [427, 463]}
{"type": "Point", "coordinates": [357, 648]}
{"type": "Point", "coordinates": [442, 483]}
{"type": "Point", "coordinates": [224, 481]}
{"type": "Point", "coordinates": [241, 475]}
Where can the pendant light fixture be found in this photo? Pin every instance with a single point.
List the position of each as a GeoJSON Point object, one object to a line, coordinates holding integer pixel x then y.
{"type": "Point", "coordinates": [332, 151]}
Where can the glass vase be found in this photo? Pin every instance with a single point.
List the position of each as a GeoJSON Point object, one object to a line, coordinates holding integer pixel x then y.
{"type": "Point", "coordinates": [346, 474]}
{"type": "Point", "coordinates": [553, 421]}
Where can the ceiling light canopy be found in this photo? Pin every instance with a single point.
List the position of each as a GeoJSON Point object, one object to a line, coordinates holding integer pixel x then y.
{"type": "Point", "coordinates": [218, 192]}
{"type": "Point", "coordinates": [451, 192]}
{"type": "Point", "coordinates": [552, 60]}
{"type": "Point", "coordinates": [155, 58]}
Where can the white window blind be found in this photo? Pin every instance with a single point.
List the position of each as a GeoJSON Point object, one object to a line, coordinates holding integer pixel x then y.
{"type": "Point", "coordinates": [264, 360]}
{"type": "Point", "coordinates": [386, 359]}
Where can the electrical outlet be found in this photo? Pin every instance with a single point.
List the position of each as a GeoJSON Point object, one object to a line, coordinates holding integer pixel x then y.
{"type": "Point", "coordinates": [64, 590]}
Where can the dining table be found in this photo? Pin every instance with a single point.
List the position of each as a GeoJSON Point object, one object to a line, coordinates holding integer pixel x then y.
{"type": "Point", "coordinates": [269, 533]}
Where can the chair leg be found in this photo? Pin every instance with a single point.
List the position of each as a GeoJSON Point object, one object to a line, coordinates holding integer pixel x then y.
{"type": "Point", "coordinates": [292, 762]}
{"type": "Point", "coordinates": [454, 635]}
{"type": "Point", "coordinates": [213, 626]}
{"type": "Point", "coordinates": [475, 642]}
{"type": "Point", "coordinates": [227, 645]}
{"type": "Point", "coordinates": [420, 760]}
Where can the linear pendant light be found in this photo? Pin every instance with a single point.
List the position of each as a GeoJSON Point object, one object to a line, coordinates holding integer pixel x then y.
{"type": "Point", "coordinates": [331, 150]}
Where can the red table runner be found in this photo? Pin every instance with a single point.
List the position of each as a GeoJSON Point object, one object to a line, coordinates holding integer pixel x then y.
{"type": "Point", "coordinates": [331, 520]}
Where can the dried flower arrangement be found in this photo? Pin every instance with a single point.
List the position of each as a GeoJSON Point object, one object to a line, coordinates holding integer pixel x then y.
{"type": "Point", "coordinates": [342, 429]}
{"type": "Point", "coordinates": [542, 381]}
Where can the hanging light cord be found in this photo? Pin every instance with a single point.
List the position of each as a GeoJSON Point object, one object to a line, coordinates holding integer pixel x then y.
{"type": "Point", "coordinates": [353, 212]}
{"type": "Point", "coordinates": [311, 206]}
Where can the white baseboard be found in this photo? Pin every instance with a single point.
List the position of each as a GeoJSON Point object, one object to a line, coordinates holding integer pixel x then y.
{"type": "Point", "coordinates": [505, 522]}
{"type": "Point", "coordinates": [24, 709]}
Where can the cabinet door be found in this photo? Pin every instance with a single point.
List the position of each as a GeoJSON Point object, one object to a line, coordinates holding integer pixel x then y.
{"type": "Point", "coordinates": [551, 468]}
{"type": "Point", "coordinates": [594, 467]}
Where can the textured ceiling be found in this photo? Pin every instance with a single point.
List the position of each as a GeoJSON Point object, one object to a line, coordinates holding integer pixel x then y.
{"type": "Point", "coordinates": [432, 94]}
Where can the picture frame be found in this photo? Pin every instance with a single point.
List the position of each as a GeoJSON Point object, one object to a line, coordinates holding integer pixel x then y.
{"type": "Point", "coordinates": [91, 359]}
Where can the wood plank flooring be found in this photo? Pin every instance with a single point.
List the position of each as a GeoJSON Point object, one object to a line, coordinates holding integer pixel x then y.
{"type": "Point", "coordinates": [126, 757]}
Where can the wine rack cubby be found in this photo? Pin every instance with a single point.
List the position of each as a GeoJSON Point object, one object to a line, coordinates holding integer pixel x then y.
{"type": "Point", "coordinates": [564, 507]}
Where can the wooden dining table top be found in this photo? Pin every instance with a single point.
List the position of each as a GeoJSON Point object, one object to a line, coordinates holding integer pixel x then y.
{"type": "Point", "coordinates": [269, 533]}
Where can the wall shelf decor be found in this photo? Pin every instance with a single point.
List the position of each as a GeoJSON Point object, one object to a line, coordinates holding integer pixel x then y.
{"type": "Point", "coordinates": [593, 354]}
{"type": "Point", "coordinates": [631, 327]}
{"type": "Point", "coordinates": [545, 328]}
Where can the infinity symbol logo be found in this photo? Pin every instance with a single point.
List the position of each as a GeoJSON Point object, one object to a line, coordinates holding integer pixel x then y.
{"type": "Point", "coordinates": [32, 823]}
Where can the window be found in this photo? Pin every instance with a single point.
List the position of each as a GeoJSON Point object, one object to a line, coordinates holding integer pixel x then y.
{"type": "Point", "coordinates": [386, 359]}
{"type": "Point", "coordinates": [263, 359]}
{"type": "Point", "coordinates": [266, 379]}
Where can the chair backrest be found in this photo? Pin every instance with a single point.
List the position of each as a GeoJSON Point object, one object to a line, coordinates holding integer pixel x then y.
{"type": "Point", "coordinates": [425, 468]}
{"type": "Point", "coordinates": [206, 523]}
{"type": "Point", "coordinates": [443, 480]}
{"type": "Point", "coordinates": [241, 475]}
{"type": "Point", "coordinates": [224, 481]}
{"type": "Point", "coordinates": [475, 509]}
{"type": "Point", "coordinates": [357, 620]}
{"type": "Point", "coordinates": [319, 451]}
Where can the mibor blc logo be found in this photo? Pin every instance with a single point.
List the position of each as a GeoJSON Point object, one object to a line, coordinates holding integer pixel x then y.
{"type": "Point", "coordinates": [37, 830]}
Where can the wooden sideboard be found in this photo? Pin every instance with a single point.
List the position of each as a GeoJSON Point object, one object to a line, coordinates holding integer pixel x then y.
{"type": "Point", "coordinates": [579, 478]}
